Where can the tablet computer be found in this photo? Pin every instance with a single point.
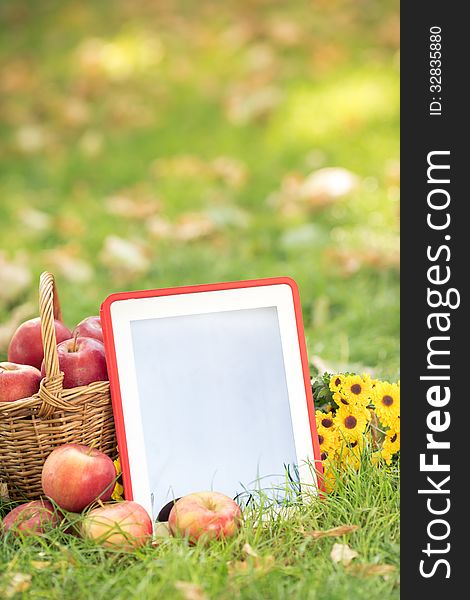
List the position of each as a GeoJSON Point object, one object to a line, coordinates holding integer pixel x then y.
{"type": "Point", "coordinates": [211, 390]}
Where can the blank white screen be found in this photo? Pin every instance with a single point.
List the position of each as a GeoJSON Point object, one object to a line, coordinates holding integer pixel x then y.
{"type": "Point", "coordinates": [214, 402]}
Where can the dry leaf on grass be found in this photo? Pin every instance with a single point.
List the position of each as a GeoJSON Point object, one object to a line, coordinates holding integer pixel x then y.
{"type": "Point", "coordinates": [325, 186]}
{"type": "Point", "coordinates": [123, 256]}
{"type": "Point", "coordinates": [16, 583]}
{"type": "Point", "coordinates": [248, 550]}
{"type": "Point", "coordinates": [369, 570]}
{"type": "Point", "coordinates": [131, 208]}
{"type": "Point", "coordinates": [66, 262]}
{"type": "Point", "coordinates": [253, 560]}
{"type": "Point", "coordinates": [15, 278]}
{"type": "Point", "coordinates": [335, 532]}
{"type": "Point", "coordinates": [35, 220]}
{"type": "Point", "coordinates": [193, 226]}
{"type": "Point", "coordinates": [190, 591]}
{"type": "Point", "coordinates": [41, 564]}
{"type": "Point", "coordinates": [342, 553]}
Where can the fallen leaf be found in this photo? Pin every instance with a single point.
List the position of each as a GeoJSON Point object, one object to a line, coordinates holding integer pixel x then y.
{"type": "Point", "coordinates": [325, 186]}
{"type": "Point", "coordinates": [236, 566]}
{"type": "Point", "coordinates": [370, 570]}
{"type": "Point", "coordinates": [245, 106]}
{"type": "Point", "coordinates": [35, 220]}
{"type": "Point", "coordinates": [40, 564]}
{"type": "Point", "coordinates": [248, 550]}
{"type": "Point", "coordinates": [124, 206]}
{"type": "Point", "coordinates": [17, 583]}
{"type": "Point", "coordinates": [70, 266]}
{"type": "Point", "coordinates": [31, 139]}
{"type": "Point", "coordinates": [159, 228]}
{"type": "Point", "coordinates": [193, 226]}
{"type": "Point", "coordinates": [232, 171]}
{"type": "Point", "coordinates": [124, 256]}
{"type": "Point", "coordinates": [15, 278]}
{"type": "Point", "coordinates": [342, 553]}
{"type": "Point", "coordinates": [190, 591]}
{"type": "Point", "coordinates": [335, 532]}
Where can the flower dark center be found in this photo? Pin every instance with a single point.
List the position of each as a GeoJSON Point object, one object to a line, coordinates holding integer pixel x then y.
{"type": "Point", "coordinates": [356, 388]}
{"type": "Point", "coordinates": [387, 401]}
{"type": "Point", "coordinates": [344, 401]}
{"type": "Point", "coordinates": [327, 423]}
{"type": "Point", "coordinates": [350, 422]}
{"type": "Point", "coordinates": [337, 381]}
{"type": "Point", "coordinates": [324, 455]}
{"type": "Point", "coordinates": [321, 439]}
{"type": "Point", "coordinates": [354, 444]}
{"type": "Point", "coordinates": [393, 438]}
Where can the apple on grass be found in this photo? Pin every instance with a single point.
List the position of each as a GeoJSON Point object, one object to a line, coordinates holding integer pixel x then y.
{"type": "Point", "coordinates": [26, 344]}
{"type": "Point", "coordinates": [82, 360]}
{"type": "Point", "coordinates": [125, 525]}
{"type": "Point", "coordinates": [18, 381]}
{"type": "Point", "coordinates": [211, 515]}
{"type": "Point", "coordinates": [74, 476]}
{"type": "Point", "coordinates": [32, 518]}
{"type": "Point", "coordinates": [90, 328]}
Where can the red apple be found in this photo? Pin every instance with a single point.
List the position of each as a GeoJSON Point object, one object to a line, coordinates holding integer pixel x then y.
{"type": "Point", "coordinates": [82, 360]}
{"type": "Point", "coordinates": [32, 518]}
{"type": "Point", "coordinates": [18, 381]}
{"type": "Point", "coordinates": [74, 476]}
{"type": "Point", "coordinates": [26, 344]}
{"type": "Point", "coordinates": [208, 514]}
{"type": "Point", "coordinates": [90, 328]}
{"type": "Point", "coordinates": [125, 525]}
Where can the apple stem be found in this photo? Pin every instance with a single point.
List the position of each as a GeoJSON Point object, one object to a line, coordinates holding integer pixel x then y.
{"type": "Point", "coordinates": [74, 345]}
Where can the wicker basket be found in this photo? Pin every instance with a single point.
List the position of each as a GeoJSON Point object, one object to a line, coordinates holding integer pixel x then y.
{"type": "Point", "coordinates": [32, 427]}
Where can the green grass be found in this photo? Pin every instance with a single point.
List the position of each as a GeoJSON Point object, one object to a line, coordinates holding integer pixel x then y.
{"type": "Point", "coordinates": [290, 563]}
{"type": "Point", "coordinates": [106, 89]}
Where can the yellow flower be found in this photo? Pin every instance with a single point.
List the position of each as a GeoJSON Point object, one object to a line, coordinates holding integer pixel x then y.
{"type": "Point", "coordinates": [118, 492]}
{"type": "Point", "coordinates": [391, 443]}
{"type": "Point", "coordinates": [328, 439]}
{"type": "Point", "coordinates": [330, 476]}
{"type": "Point", "coordinates": [387, 402]}
{"type": "Point", "coordinates": [340, 399]}
{"type": "Point", "coordinates": [336, 382]}
{"type": "Point", "coordinates": [357, 390]}
{"type": "Point", "coordinates": [325, 420]}
{"type": "Point", "coordinates": [351, 422]}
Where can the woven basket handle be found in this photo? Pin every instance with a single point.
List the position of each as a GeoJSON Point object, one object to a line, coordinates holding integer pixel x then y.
{"type": "Point", "coordinates": [50, 391]}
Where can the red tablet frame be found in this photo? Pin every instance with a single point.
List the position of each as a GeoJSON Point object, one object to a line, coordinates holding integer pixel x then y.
{"type": "Point", "coordinates": [108, 337]}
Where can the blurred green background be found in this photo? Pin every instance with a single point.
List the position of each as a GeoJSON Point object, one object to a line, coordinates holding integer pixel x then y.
{"type": "Point", "coordinates": [152, 144]}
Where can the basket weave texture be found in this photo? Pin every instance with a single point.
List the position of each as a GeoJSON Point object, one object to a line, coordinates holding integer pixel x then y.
{"type": "Point", "coordinates": [32, 427]}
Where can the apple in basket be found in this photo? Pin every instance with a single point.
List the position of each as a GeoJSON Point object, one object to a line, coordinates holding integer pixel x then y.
{"type": "Point", "coordinates": [205, 514]}
{"type": "Point", "coordinates": [18, 381]}
{"type": "Point", "coordinates": [90, 328]}
{"type": "Point", "coordinates": [125, 525]}
{"type": "Point", "coordinates": [82, 360]}
{"type": "Point", "coordinates": [32, 518]}
{"type": "Point", "coordinates": [74, 476]}
{"type": "Point", "coordinates": [26, 344]}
